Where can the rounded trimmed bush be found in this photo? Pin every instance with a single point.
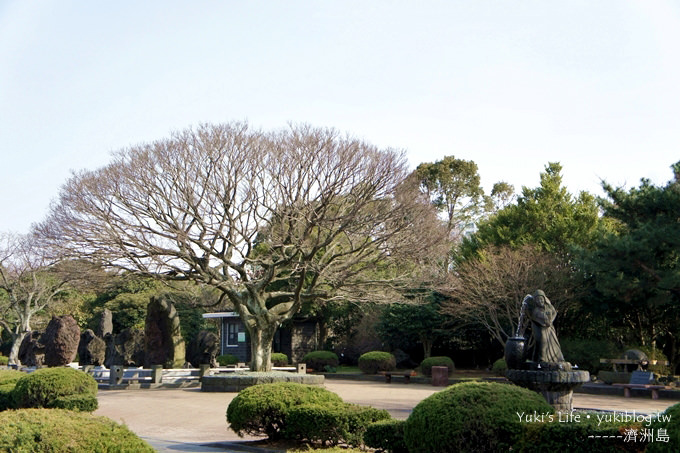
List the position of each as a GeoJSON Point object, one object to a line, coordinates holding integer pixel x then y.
{"type": "Point", "coordinates": [471, 417]}
{"type": "Point", "coordinates": [427, 364]}
{"type": "Point", "coordinates": [386, 435]}
{"type": "Point", "coordinates": [263, 409]}
{"type": "Point", "coordinates": [499, 367]}
{"type": "Point", "coordinates": [8, 380]}
{"type": "Point", "coordinates": [44, 387]}
{"type": "Point", "coordinates": [374, 361]}
{"type": "Point", "coordinates": [226, 359]}
{"type": "Point", "coordinates": [319, 360]}
{"type": "Point", "coordinates": [331, 423]}
{"type": "Point", "coordinates": [4, 360]}
{"type": "Point", "coordinates": [279, 359]}
{"type": "Point", "coordinates": [51, 430]}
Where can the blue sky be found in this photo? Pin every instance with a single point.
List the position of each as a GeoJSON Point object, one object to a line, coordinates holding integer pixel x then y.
{"type": "Point", "coordinates": [511, 85]}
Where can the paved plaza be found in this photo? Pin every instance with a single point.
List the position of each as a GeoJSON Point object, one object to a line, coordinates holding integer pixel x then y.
{"type": "Point", "coordinates": [175, 420]}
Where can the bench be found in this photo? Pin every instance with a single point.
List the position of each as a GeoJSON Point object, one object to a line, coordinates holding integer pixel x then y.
{"type": "Point", "coordinates": [405, 374]}
{"type": "Point", "coordinates": [641, 380]}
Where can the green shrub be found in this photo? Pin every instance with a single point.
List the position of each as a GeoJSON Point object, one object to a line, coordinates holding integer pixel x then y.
{"type": "Point", "coordinates": [55, 430]}
{"type": "Point", "coordinates": [4, 360]}
{"type": "Point", "coordinates": [386, 435]}
{"type": "Point", "coordinates": [614, 377]}
{"type": "Point", "coordinates": [331, 424]}
{"type": "Point", "coordinates": [263, 409]}
{"type": "Point", "coordinates": [586, 354]}
{"type": "Point", "coordinates": [427, 364]}
{"type": "Point", "coordinates": [84, 403]}
{"type": "Point", "coordinates": [374, 361]}
{"type": "Point", "coordinates": [279, 359]}
{"type": "Point", "coordinates": [499, 367]}
{"type": "Point", "coordinates": [471, 417]}
{"type": "Point", "coordinates": [8, 380]}
{"type": "Point", "coordinates": [44, 387]}
{"type": "Point", "coordinates": [227, 359]}
{"type": "Point", "coordinates": [318, 360]}
{"type": "Point", "coordinates": [670, 421]}
{"type": "Point", "coordinates": [579, 434]}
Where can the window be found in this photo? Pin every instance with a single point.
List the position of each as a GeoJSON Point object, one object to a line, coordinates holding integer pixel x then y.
{"type": "Point", "coordinates": [232, 334]}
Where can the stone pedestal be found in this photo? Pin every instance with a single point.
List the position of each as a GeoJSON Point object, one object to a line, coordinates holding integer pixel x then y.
{"type": "Point", "coordinates": [440, 376]}
{"type": "Point", "coordinates": [556, 386]}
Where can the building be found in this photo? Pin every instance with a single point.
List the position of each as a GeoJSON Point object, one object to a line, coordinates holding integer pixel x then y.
{"type": "Point", "coordinates": [295, 339]}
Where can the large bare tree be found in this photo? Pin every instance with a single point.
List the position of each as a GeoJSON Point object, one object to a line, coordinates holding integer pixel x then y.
{"type": "Point", "coordinates": [28, 285]}
{"type": "Point", "coordinates": [489, 289]}
{"type": "Point", "coordinates": [269, 219]}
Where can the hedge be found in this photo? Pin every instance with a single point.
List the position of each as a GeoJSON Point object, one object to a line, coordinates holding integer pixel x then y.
{"type": "Point", "coordinates": [263, 409]}
{"type": "Point", "coordinates": [53, 430]}
{"type": "Point", "coordinates": [8, 380]}
{"type": "Point", "coordinates": [471, 417]}
{"type": "Point", "coordinates": [44, 387]}
{"type": "Point", "coordinates": [375, 361]}
{"type": "Point", "coordinates": [331, 424]}
{"type": "Point", "coordinates": [226, 359]}
{"type": "Point", "coordinates": [4, 360]}
{"type": "Point", "coordinates": [319, 360]}
{"type": "Point", "coordinates": [427, 364]}
{"type": "Point", "coordinates": [386, 435]}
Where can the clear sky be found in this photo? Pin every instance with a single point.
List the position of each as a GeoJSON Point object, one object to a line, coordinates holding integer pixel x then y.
{"type": "Point", "coordinates": [511, 85]}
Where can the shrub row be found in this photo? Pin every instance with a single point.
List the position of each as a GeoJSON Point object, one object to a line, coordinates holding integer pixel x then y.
{"type": "Point", "coordinates": [62, 387]}
{"type": "Point", "coordinates": [483, 417]}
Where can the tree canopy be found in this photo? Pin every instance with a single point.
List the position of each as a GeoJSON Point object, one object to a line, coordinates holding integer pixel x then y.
{"type": "Point", "coordinates": [269, 219]}
{"type": "Point", "coordinates": [548, 217]}
{"type": "Point", "coordinates": [635, 269]}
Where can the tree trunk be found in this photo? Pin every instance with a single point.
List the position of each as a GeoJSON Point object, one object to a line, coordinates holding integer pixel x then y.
{"type": "Point", "coordinates": [261, 338]}
{"type": "Point", "coordinates": [427, 348]}
{"type": "Point", "coordinates": [13, 358]}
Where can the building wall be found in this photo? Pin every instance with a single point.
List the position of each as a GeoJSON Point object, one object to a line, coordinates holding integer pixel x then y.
{"type": "Point", "coordinates": [294, 341]}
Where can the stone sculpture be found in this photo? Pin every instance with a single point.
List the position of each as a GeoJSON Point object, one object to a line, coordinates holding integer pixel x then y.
{"type": "Point", "coordinates": [91, 349]}
{"type": "Point", "coordinates": [164, 343]}
{"type": "Point", "coordinates": [538, 363]}
{"type": "Point", "coordinates": [61, 339]}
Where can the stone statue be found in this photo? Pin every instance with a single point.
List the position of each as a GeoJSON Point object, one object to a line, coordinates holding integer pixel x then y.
{"type": "Point", "coordinates": [538, 364]}
{"type": "Point", "coordinates": [541, 313]}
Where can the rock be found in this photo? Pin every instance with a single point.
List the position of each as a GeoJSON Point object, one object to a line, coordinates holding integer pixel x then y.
{"type": "Point", "coordinates": [105, 326]}
{"type": "Point", "coordinates": [32, 350]}
{"type": "Point", "coordinates": [61, 339]}
{"type": "Point", "coordinates": [204, 349]}
{"type": "Point", "coordinates": [91, 349]}
{"type": "Point", "coordinates": [126, 348]}
{"type": "Point", "coordinates": [164, 344]}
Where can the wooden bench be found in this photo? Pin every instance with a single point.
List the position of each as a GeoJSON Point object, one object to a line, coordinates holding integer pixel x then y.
{"type": "Point", "coordinates": [641, 380]}
{"type": "Point", "coordinates": [405, 374]}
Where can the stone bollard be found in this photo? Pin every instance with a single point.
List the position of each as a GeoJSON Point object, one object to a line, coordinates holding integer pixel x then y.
{"type": "Point", "coordinates": [301, 368]}
{"type": "Point", "coordinates": [116, 375]}
{"type": "Point", "coordinates": [203, 370]}
{"type": "Point", "coordinates": [440, 376]}
{"type": "Point", "coordinates": [156, 374]}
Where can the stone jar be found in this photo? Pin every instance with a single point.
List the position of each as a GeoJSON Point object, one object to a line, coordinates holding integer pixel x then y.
{"type": "Point", "coordinates": [515, 352]}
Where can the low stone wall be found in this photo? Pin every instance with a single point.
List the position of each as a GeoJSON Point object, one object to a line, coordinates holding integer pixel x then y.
{"type": "Point", "coordinates": [235, 382]}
